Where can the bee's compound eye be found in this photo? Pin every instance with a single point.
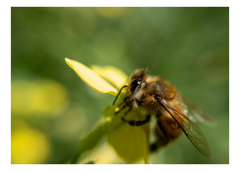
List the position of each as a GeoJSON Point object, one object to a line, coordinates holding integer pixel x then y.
{"type": "Point", "coordinates": [134, 84]}
{"type": "Point", "coordinates": [157, 97]}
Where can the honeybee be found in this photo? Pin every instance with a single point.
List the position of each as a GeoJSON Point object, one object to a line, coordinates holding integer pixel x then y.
{"type": "Point", "coordinates": [160, 99]}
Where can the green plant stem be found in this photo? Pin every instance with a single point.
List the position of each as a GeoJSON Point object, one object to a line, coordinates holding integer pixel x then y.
{"type": "Point", "coordinates": [90, 141]}
{"type": "Point", "coordinates": [106, 123]}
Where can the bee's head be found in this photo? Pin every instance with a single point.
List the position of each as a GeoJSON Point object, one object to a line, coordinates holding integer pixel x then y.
{"type": "Point", "coordinates": [135, 80]}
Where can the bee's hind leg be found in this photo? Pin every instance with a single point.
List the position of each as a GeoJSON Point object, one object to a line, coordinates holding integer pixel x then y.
{"type": "Point", "coordinates": [137, 123]}
{"type": "Point", "coordinates": [162, 138]}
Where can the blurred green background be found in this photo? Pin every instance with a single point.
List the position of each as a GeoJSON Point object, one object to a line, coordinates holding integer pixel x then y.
{"type": "Point", "coordinates": [51, 108]}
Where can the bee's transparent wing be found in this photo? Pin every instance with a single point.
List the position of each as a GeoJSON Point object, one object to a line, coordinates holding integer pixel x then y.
{"type": "Point", "coordinates": [196, 115]}
{"type": "Point", "coordinates": [193, 133]}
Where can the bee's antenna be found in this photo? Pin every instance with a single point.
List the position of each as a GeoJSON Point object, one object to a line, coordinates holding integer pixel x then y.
{"type": "Point", "coordinates": [118, 94]}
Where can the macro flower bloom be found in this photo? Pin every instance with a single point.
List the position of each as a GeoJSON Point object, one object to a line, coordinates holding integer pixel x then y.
{"type": "Point", "coordinates": [131, 143]}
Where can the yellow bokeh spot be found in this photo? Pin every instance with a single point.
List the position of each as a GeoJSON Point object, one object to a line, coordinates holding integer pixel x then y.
{"type": "Point", "coordinates": [110, 12]}
{"type": "Point", "coordinates": [41, 96]}
{"type": "Point", "coordinates": [29, 146]}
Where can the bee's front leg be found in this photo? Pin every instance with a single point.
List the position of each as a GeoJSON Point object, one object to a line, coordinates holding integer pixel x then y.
{"type": "Point", "coordinates": [137, 123]}
{"type": "Point", "coordinates": [129, 103]}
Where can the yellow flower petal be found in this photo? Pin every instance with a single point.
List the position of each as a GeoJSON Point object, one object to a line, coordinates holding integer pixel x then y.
{"type": "Point", "coordinates": [112, 74]}
{"type": "Point", "coordinates": [91, 77]}
{"type": "Point", "coordinates": [131, 143]}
